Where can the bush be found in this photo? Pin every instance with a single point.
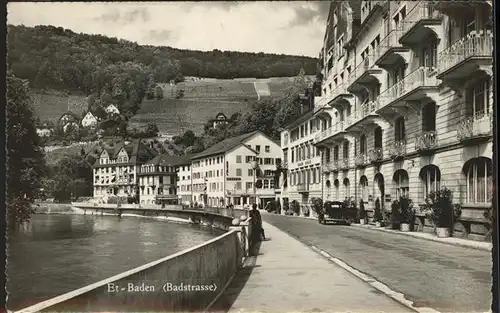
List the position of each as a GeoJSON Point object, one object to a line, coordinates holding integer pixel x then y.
{"type": "Point", "coordinates": [317, 204]}
{"type": "Point", "coordinates": [395, 214]}
{"type": "Point", "coordinates": [295, 207]}
{"type": "Point", "coordinates": [406, 210]}
{"type": "Point", "coordinates": [439, 208]}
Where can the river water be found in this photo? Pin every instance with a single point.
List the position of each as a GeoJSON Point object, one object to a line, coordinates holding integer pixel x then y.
{"type": "Point", "coordinates": [58, 253]}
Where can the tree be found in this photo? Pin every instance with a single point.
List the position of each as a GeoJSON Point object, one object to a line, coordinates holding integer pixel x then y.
{"type": "Point", "coordinates": [25, 159]}
{"type": "Point", "coordinates": [72, 175]}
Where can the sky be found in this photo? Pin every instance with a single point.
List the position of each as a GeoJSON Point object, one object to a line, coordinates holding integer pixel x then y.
{"type": "Point", "coordinates": [288, 27]}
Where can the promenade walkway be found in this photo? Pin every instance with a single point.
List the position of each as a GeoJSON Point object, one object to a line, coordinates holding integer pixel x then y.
{"type": "Point", "coordinates": [287, 276]}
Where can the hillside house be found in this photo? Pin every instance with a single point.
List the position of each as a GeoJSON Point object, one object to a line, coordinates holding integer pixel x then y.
{"type": "Point", "coordinates": [112, 109]}
{"type": "Point", "coordinates": [89, 120]}
{"type": "Point", "coordinates": [220, 119]}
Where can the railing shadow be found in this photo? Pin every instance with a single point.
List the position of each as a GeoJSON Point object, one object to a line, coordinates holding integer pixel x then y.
{"type": "Point", "coordinates": [229, 296]}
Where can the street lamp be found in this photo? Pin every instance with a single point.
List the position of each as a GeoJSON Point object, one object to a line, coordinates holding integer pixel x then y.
{"type": "Point", "coordinates": [254, 165]}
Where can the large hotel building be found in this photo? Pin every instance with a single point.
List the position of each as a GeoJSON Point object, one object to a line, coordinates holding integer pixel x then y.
{"type": "Point", "coordinates": [403, 107]}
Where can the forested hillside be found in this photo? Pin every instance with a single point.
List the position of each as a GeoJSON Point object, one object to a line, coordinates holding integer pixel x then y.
{"type": "Point", "coordinates": [57, 58]}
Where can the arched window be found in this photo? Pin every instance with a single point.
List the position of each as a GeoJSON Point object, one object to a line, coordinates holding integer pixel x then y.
{"type": "Point", "coordinates": [362, 144]}
{"type": "Point", "coordinates": [479, 180]}
{"type": "Point", "coordinates": [336, 185]}
{"type": "Point", "coordinates": [347, 188]}
{"type": "Point", "coordinates": [430, 177]}
{"type": "Point", "coordinates": [363, 184]}
{"type": "Point", "coordinates": [402, 183]}
{"type": "Point", "coordinates": [378, 137]}
{"type": "Point", "coordinates": [399, 129]}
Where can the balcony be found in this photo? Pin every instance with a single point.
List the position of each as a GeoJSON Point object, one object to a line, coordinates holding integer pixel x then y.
{"type": "Point", "coordinates": [465, 58]}
{"type": "Point", "coordinates": [397, 149]}
{"type": "Point", "coordinates": [390, 51]}
{"type": "Point", "coordinates": [365, 110]}
{"type": "Point", "coordinates": [361, 160]}
{"type": "Point", "coordinates": [333, 166]}
{"type": "Point", "coordinates": [325, 169]}
{"type": "Point", "coordinates": [365, 73]}
{"type": "Point", "coordinates": [426, 142]}
{"type": "Point", "coordinates": [330, 132]}
{"type": "Point", "coordinates": [303, 187]}
{"type": "Point", "coordinates": [475, 128]}
{"type": "Point", "coordinates": [418, 85]}
{"type": "Point", "coordinates": [422, 22]}
{"type": "Point", "coordinates": [376, 155]}
{"type": "Point", "coordinates": [166, 197]}
{"type": "Point", "coordinates": [339, 96]}
{"type": "Point", "coordinates": [343, 164]}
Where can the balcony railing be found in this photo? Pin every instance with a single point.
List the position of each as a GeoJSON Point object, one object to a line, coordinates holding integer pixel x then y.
{"type": "Point", "coordinates": [338, 127]}
{"type": "Point", "coordinates": [476, 44]}
{"type": "Point", "coordinates": [423, 10]}
{"type": "Point", "coordinates": [479, 125]}
{"type": "Point", "coordinates": [303, 187]}
{"type": "Point", "coordinates": [361, 160]}
{"type": "Point", "coordinates": [325, 169]}
{"type": "Point", "coordinates": [343, 163]}
{"type": "Point", "coordinates": [397, 149]}
{"type": "Point", "coordinates": [376, 155]}
{"type": "Point", "coordinates": [333, 165]}
{"type": "Point", "coordinates": [426, 141]}
{"type": "Point", "coordinates": [388, 42]}
{"type": "Point", "coordinates": [423, 76]}
{"type": "Point", "coordinates": [365, 64]}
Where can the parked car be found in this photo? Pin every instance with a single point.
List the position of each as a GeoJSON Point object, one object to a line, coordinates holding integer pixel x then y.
{"type": "Point", "coordinates": [335, 212]}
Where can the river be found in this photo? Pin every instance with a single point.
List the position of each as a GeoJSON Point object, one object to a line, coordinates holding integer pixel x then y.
{"type": "Point", "coordinates": [58, 253]}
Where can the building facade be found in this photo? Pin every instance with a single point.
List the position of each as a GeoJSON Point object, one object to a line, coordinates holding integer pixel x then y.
{"type": "Point", "coordinates": [184, 184]}
{"type": "Point", "coordinates": [239, 171]}
{"type": "Point", "coordinates": [406, 104]}
{"type": "Point", "coordinates": [89, 120]}
{"type": "Point", "coordinates": [158, 180]}
{"type": "Point", "coordinates": [116, 167]}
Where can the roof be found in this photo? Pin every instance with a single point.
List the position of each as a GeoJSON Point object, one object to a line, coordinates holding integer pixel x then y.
{"type": "Point", "coordinates": [138, 152]}
{"type": "Point", "coordinates": [166, 159]}
{"type": "Point", "coordinates": [225, 145]}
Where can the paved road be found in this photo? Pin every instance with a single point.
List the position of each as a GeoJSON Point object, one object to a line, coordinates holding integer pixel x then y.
{"type": "Point", "coordinates": [440, 276]}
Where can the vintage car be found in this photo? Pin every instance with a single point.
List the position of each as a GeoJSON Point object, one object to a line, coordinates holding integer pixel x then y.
{"type": "Point", "coordinates": [335, 212]}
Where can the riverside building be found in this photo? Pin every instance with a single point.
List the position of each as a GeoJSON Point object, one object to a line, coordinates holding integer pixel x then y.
{"type": "Point", "coordinates": [238, 171]}
{"type": "Point", "coordinates": [159, 180]}
{"type": "Point", "coordinates": [406, 105]}
{"type": "Point", "coordinates": [117, 165]}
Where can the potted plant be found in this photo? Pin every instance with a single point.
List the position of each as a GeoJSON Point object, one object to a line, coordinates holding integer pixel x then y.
{"type": "Point", "coordinates": [362, 213]}
{"type": "Point", "coordinates": [440, 210]}
{"type": "Point", "coordinates": [377, 214]}
{"type": "Point", "coordinates": [395, 218]}
{"type": "Point", "coordinates": [295, 207]}
{"type": "Point", "coordinates": [407, 214]}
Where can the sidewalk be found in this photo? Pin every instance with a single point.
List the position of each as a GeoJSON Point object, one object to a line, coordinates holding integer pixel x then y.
{"type": "Point", "coordinates": [287, 276]}
{"type": "Point", "coordinates": [473, 244]}
{"type": "Point", "coordinates": [479, 245]}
